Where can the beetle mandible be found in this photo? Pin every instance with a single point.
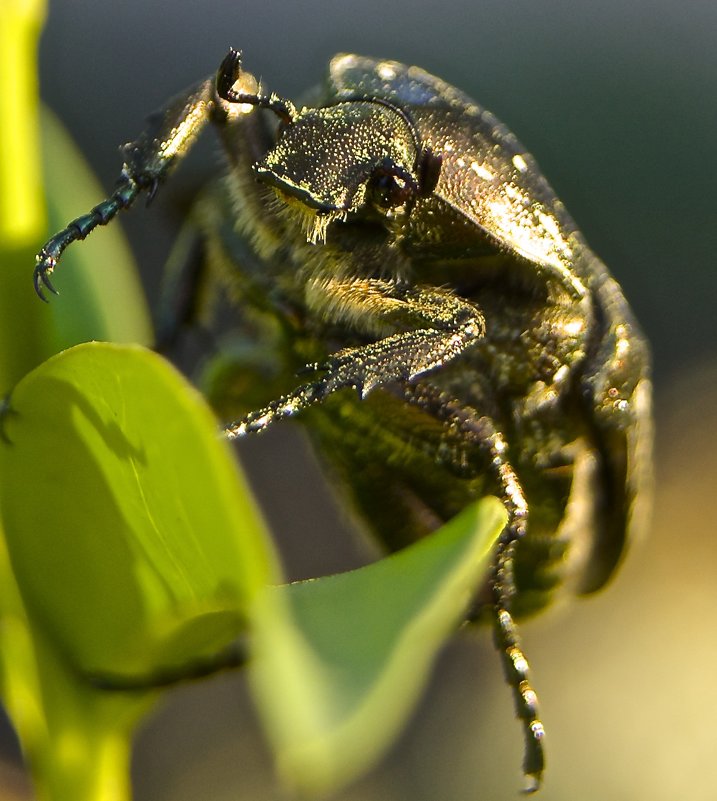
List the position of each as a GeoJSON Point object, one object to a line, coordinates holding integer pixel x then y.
{"type": "Point", "coordinates": [462, 336]}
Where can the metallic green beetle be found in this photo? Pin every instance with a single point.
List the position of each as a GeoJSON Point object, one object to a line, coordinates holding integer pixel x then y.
{"type": "Point", "coordinates": [462, 336]}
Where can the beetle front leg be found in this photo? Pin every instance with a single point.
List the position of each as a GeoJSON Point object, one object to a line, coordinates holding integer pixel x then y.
{"type": "Point", "coordinates": [450, 325]}
{"type": "Point", "coordinates": [148, 160]}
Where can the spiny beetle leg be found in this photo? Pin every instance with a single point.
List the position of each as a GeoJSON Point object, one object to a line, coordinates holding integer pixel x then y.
{"type": "Point", "coordinates": [479, 431]}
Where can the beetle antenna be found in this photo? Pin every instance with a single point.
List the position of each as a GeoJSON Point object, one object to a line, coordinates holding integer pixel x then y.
{"type": "Point", "coordinates": [229, 73]}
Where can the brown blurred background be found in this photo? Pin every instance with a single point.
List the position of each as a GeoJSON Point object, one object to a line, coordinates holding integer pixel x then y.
{"type": "Point", "coordinates": [617, 102]}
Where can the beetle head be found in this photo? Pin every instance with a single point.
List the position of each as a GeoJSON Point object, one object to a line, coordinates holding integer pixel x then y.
{"type": "Point", "coordinates": [356, 157]}
{"type": "Point", "coordinates": [362, 156]}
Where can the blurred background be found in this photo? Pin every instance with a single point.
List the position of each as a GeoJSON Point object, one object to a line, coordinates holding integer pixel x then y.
{"type": "Point", "coordinates": [617, 102]}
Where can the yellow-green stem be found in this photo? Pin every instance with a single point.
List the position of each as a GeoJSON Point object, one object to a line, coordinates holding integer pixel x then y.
{"type": "Point", "coordinates": [84, 769]}
{"type": "Point", "coordinates": [25, 335]}
{"type": "Point", "coordinates": [21, 200]}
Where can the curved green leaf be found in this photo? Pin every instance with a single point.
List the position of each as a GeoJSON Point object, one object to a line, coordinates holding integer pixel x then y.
{"type": "Point", "coordinates": [342, 660]}
{"type": "Point", "coordinates": [130, 536]}
{"type": "Point", "coordinates": [132, 547]}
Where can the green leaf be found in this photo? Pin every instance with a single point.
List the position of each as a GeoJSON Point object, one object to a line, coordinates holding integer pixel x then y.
{"type": "Point", "coordinates": [132, 548]}
{"type": "Point", "coordinates": [340, 661]}
{"type": "Point", "coordinates": [132, 540]}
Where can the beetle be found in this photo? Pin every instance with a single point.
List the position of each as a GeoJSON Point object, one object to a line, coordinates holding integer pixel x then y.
{"type": "Point", "coordinates": [460, 335]}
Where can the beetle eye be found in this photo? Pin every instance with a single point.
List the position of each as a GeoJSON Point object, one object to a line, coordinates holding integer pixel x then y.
{"type": "Point", "coordinates": [392, 186]}
{"type": "Point", "coordinates": [391, 191]}
{"type": "Point", "coordinates": [429, 171]}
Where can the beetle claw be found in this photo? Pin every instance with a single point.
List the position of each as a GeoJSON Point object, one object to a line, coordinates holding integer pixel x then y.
{"type": "Point", "coordinates": [228, 73]}
{"type": "Point", "coordinates": [152, 188]}
{"type": "Point", "coordinates": [5, 411]}
{"type": "Point", "coordinates": [532, 783]}
{"type": "Point", "coordinates": [45, 265]}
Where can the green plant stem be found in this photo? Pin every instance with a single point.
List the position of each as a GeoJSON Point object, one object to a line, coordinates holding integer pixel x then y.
{"type": "Point", "coordinates": [22, 215]}
{"type": "Point", "coordinates": [22, 203]}
{"type": "Point", "coordinates": [76, 739]}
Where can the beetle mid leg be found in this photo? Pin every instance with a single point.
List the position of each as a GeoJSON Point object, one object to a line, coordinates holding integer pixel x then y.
{"type": "Point", "coordinates": [181, 288]}
{"type": "Point", "coordinates": [476, 430]}
{"type": "Point", "coordinates": [442, 326]}
{"type": "Point", "coordinates": [198, 271]}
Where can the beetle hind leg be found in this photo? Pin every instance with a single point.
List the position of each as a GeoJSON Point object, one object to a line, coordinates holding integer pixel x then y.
{"type": "Point", "coordinates": [502, 586]}
{"type": "Point", "coordinates": [516, 668]}
{"type": "Point", "coordinates": [480, 431]}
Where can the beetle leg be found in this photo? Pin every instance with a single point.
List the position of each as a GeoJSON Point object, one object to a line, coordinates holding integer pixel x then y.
{"type": "Point", "coordinates": [480, 431]}
{"type": "Point", "coordinates": [449, 325]}
{"type": "Point", "coordinates": [401, 356]}
{"type": "Point", "coordinates": [181, 288]}
{"type": "Point", "coordinates": [517, 672]}
{"type": "Point", "coordinates": [148, 160]}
